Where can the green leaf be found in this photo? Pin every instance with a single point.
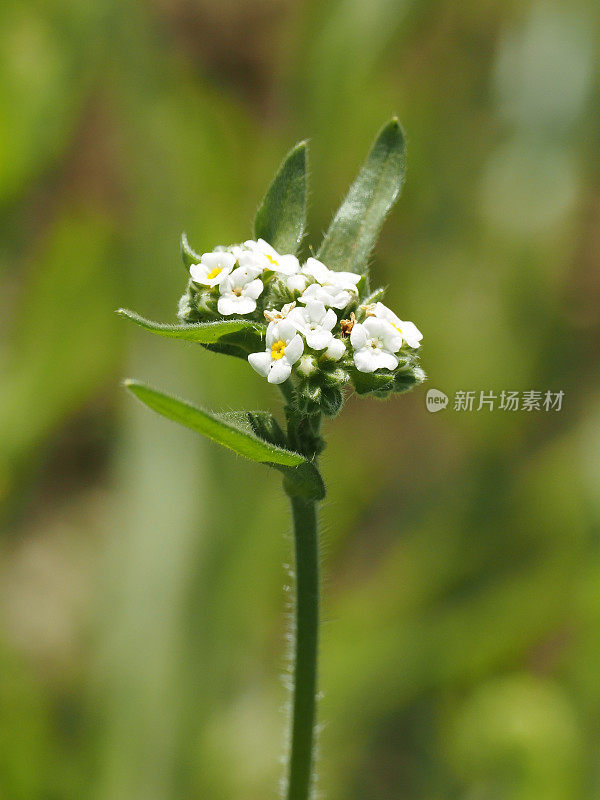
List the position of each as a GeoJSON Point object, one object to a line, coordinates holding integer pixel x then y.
{"type": "Point", "coordinates": [188, 255]}
{"type": "Point", "coordinates": [354, 229]}
{"type": "Point", "coordinates": [281, 218]}
{"type": "Point", "coordinates": [229, 430]}
{"type": "Point", "coordinates": [203, 332]}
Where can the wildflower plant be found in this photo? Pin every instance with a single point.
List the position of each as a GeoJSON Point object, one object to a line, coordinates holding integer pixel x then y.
{"type": "Point", "coordinates": [313, 329]}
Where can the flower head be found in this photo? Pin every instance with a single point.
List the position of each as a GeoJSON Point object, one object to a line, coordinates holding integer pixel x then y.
{"type": "Point", "coordinates": [315, 323]}
{"type": "Point", "coordinates": [261, 256]}
{"type": "Point", "coordinates": [284, 348]}
{"type": "Point", "coordinates": [409, 331]}
{"type": "Point", "coordinates": [213, 268]}
{"type": "Point", "coordinates": [333, 289]}
{"type": "Point", "coordinates": [375, 344]}
{"type": "Point", "coordinates": [239, 292]}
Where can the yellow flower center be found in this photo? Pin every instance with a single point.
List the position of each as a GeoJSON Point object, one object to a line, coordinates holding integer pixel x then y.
{"type": "Point", "coordinates": [213, 273]}
{"type": "Point", "coordinates": [278, 350]}
{"type": "Point", "coordinates": [271, 259]}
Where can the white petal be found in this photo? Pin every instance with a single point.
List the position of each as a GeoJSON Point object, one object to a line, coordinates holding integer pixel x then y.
{"type": "Point", "coordinates": [392, 339]}
{"type": "Point", "coordinates": [253, 289]}
{"type": "Point", "coordinates": [294, 349]}
{"type": "Point", "coordinates": [223, 260]}
{"type": "Point", "coordinates": [298, 316]}
{"type": "Point", "coordinates": [244, 304]}
{"type": "Point", "coordinates": [358, 336]}
{"type": "Point", "coordinates": [317, 269]}
{"type": "Point", "coordinates": [261, 362]}
{"type": "Point", "coordinates": [297, 283]}
{"type": "Point", "coordinates": [386, 360]}
{"type": "Point", "coordinates": [198, 273]}
{"type": "Point", "coordinates": [280, 371]}
{"type": "Point", "coordinates": [264, 247]}
{"type": "Point", "coordinates": [346, 280]}
{"type": "Point", "coordinates": [286, 330]}
{"type": "Point", "coordinates": [340, 299]}
{"type": "Point", "coordinates": [364, 360]}
{"type": "Point", "coordinates": [411, 334]}
{"type": "Point", "coordinates": [313, 292]}
{"type": "Point", "coordinates": [287, 265]}
{"type": "Point", "coordinates": [227, 305]}
{"type": "Point", "coordinates": [383, 312]}
{"type": "Point", "coordinates": [272, 332]}
{"type": "Point", "coordinates": [315, 310]}
{"type": "Point", "coordinates": [335, 350]}
{"type": "Point", "coordinates": [368, 360]}
{"type": "Point", "coordinates": [318, 339]}
{"type": "Point", "coordinates": [251, 262]}
{"type": "Point", "coordinates": [330, 319]}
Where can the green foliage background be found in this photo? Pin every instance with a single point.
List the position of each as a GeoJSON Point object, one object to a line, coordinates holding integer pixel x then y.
{"type": "Point", "coordinates": [141, 602]}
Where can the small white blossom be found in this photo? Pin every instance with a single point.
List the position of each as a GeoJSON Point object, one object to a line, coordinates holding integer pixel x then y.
{"type": "Point", "coordinates": [329, 295]}
{"type": "Point", "coordinates": [375, 343]}
{"type": "Point", "coordinates": [335, 350]}
{"type": "Point", "coordinates": [334, 289]}
{"type": "Point", "coordinates": [239, 292]}
{"type": "Point", "coordinates": [261, 256]}
{"type": "Point", "coordinates": [329, 277]}
{"type": "Point", "coordinates": [410, 333]}
{"type": "Point", "coordinates": [284, 348]}
{"type": "Point", "coordinates": [315, 323]}
{"type": "Point", "coordinates": [213, 268]}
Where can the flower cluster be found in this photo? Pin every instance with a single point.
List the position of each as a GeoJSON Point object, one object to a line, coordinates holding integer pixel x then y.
{"type": "Point", "coordinates": [323, 325]}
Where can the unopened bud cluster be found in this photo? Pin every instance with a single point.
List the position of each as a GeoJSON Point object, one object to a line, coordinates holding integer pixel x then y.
{"type": "Point", "coordinates": [323, 330]}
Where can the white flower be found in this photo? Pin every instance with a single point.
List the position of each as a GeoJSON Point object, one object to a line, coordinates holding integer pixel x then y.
{"type": "Point", "coordinates": [334, 289]}
{"type": "Point", "coordinates": [239, 292]}
{"type": "Point", "coordinates": [284, 348]}
{"type": "Point", "coordinates": [375, 342]}
{"type": "Point", "coordinates": [335, 349]}
{"type": "Point", "coordinates": [410, 333]}
{"type": "Point", "coordinates": [314, 323]}
{"type": "Point", "coordinates": [213, 268]}
{"type": "Point", "coordinates": [261, 256]}
{"type": "Point", "coordinates": [329, 295]}
{"type": "Point", "coordinates": [329, 277]}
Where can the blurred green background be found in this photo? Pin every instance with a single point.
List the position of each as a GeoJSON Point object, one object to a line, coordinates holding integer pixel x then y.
{"type": "Point", "coordinates": [142, 592]}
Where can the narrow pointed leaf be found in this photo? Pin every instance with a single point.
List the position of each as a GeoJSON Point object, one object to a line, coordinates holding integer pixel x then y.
{"type": "Point", "coordinates": [203, 332]}
{"type": "Point", "coordinates": [224, 429]}
{"type": "Point", "coordinates": [188, 255]}
{"type": "Point", "coordinates": [281, 218]}
{"type": "Point", "coordinates": [355, 227]}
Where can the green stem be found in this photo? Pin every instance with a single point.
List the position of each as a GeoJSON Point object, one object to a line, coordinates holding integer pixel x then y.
{"type": "Point", "coordinates": [305, 666]}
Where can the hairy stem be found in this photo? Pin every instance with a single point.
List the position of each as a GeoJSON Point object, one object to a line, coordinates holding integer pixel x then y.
{"type": "Point", "coordinates": [306, 644]}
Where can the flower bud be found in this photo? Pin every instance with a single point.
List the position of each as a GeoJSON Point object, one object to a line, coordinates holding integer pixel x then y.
{"type": "Point", "coordinates": [335, 350]}
{"type": "Point", "coordinates": [307, 365]}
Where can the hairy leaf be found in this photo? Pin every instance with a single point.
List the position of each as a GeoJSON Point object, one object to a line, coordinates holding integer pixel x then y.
{"type": "Point", "coordinates": [281, 218]}
{"type": "Point", "coordinates": [355, 227]}
{"type": "Point", "coordinates": [203, 332]}
{"type": "Point", "coordinates": [229, 430]}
